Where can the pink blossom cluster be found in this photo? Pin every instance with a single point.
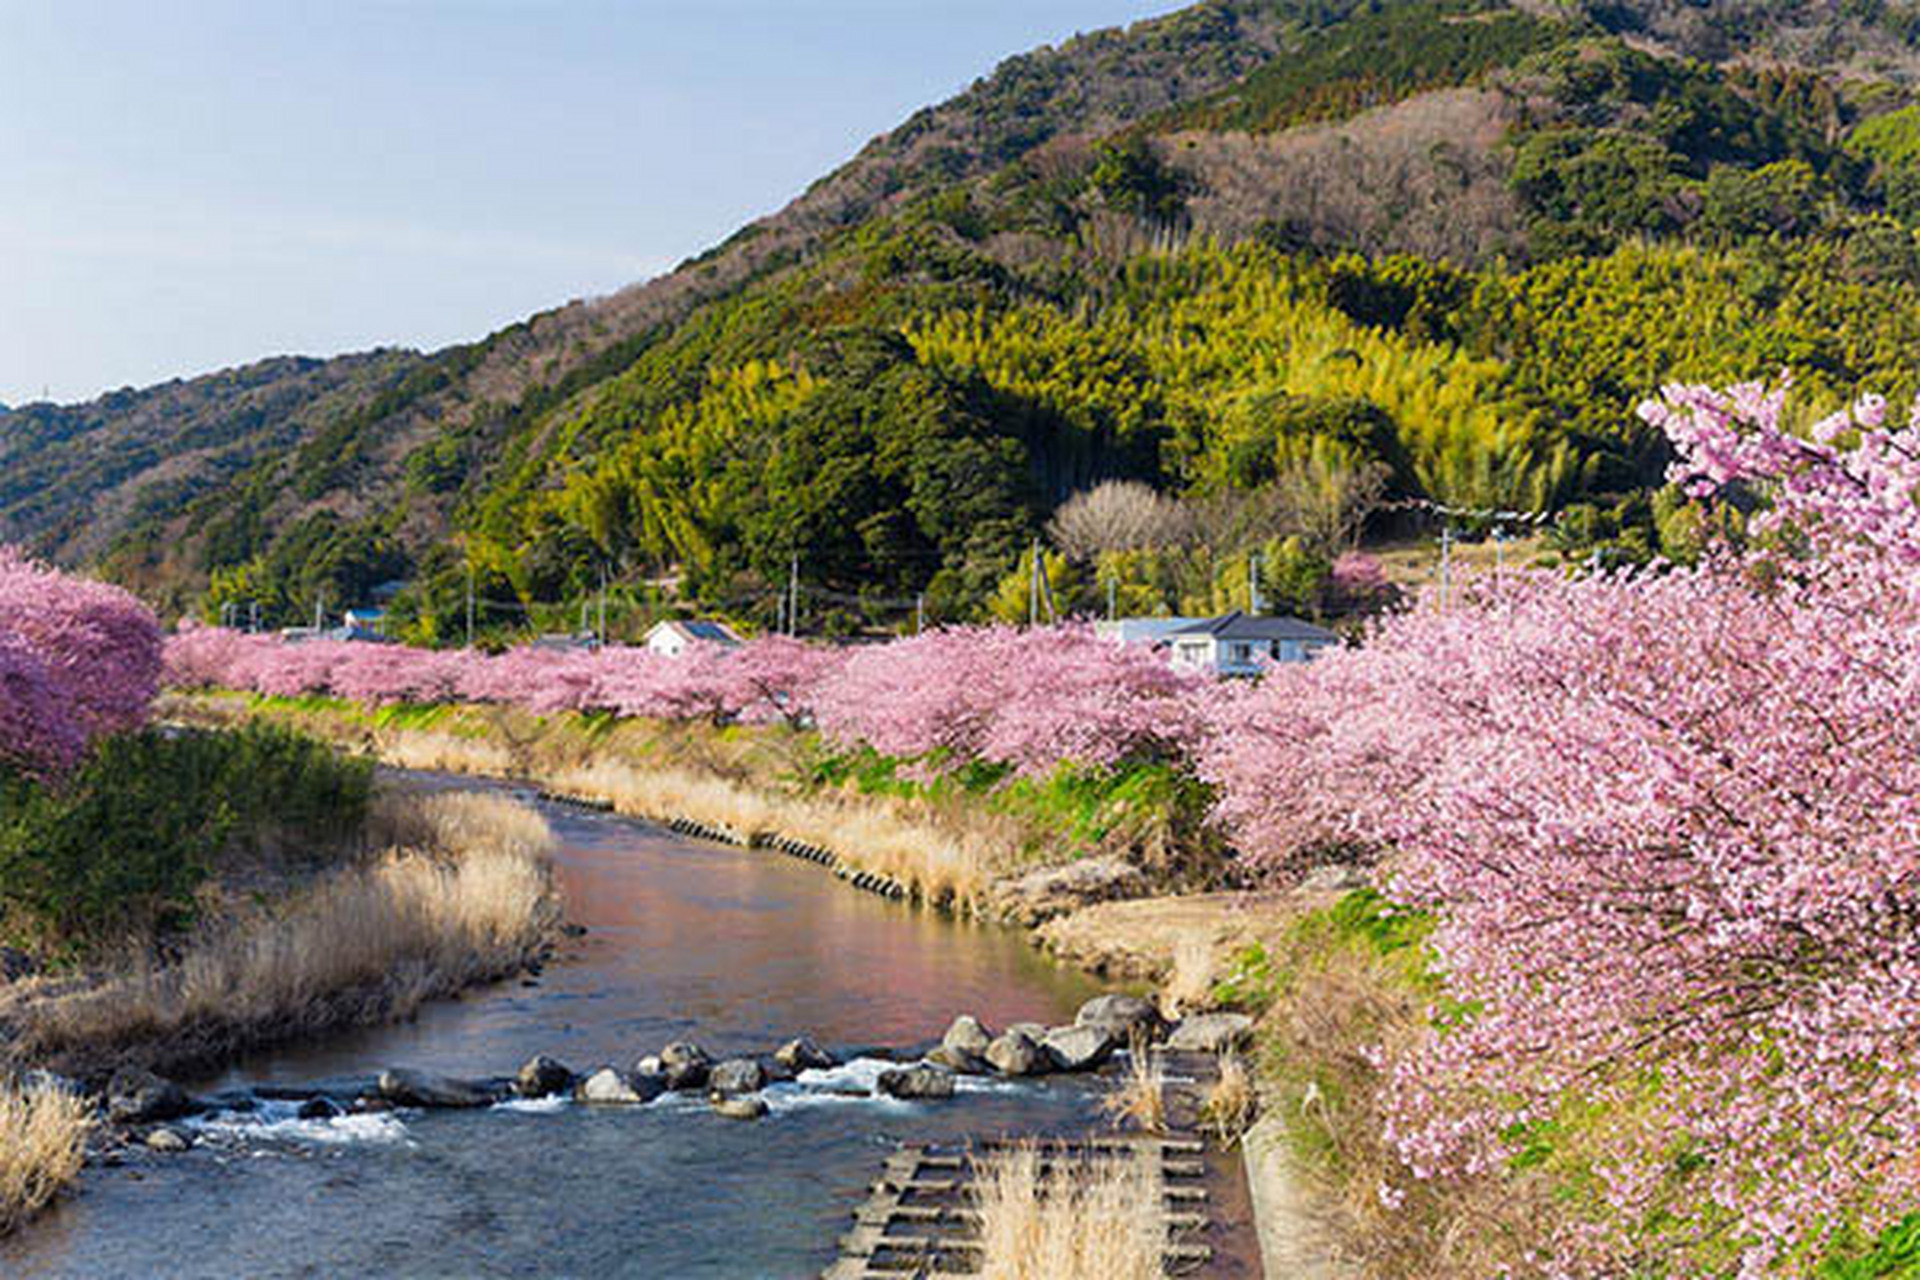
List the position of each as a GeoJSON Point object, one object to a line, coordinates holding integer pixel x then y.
{"type": "Point", "coordinates": [1669, 825]}
{"type": "Point", "coordinates": [78, 659]}
{"type": "Point", "coordinates": [1030, 699]}
{"type": "Point", "coordinates": [769, 679]}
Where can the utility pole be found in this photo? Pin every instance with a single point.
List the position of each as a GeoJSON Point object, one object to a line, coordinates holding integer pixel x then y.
{"type": "Point", "coordinates": [793, 595]}
{"type": "Point", "coordinates": [920, 613]}
{"type": "Point", "coordinates": [1253, 582]}
{"type": "Point", "coordinates": [317, 616]}
{"type": "Point", "coordinates": [469, 604]}
{"type": "Point", "coordinates": [1046, 591]}
{"type": "Point", "coordinates": [1113, 599]}
{"type": "Point", "coordinates": [603, 606]}
{"type": "Point", "coordinates": [253, 616]}
{"type": "Point", "coordinates": [1446, 563]}
{"type": "Point", "coordinates": [1033, 587]}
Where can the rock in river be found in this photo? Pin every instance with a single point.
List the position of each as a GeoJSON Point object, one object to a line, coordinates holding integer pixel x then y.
{"type": "Point", "coordinates": [141, 1097]}
{"type": "Point", "coordinates": [740, 1108]}
{"type": "Point", "coordinates": [610, 1086]}
{"type": "Point", "coordinates": [685, 1065]}
{"type": "Point", "coordinates": [963, 1061]}
{"type": "Point", "coordinates": [737, 1075]}
{"type": "Point", "coordinates": [1078, 1048]}
{"type": "Point", "coordinates": [967, 1035]}
{"type": "Point", "coordinates": [917, 1082]}
{"type": "Point", "coordinates": [318, 1109]}
{"type": "Point", "coordinates": [1212, 1033]}
{"type": "Point", "coordinates": [543, 1077]}
{"type": "Point", "coordinates": [803, 1054]}
{"type": "Point", "coordinates": [424, 1089]}
{"type": "Point", "coordinates": [1122, 1017]}
{"type": "Point", "coordinates": [1015, 1053]}
{"type": "Point", "coordinates": [167, 1142]}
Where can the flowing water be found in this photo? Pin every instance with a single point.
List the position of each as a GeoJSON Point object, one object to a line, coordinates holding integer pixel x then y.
{"type": "Point", "coordinates": [737, 950]}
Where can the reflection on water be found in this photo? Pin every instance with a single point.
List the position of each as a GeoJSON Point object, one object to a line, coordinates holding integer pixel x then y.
{"type": "Point", "coordinates": [736, 949]}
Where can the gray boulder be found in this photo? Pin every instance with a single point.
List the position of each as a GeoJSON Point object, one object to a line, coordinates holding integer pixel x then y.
{"type": "Point", "coordinates": [748, 1108]}
{"type": "Point", "coordinates": [167, 1142]}
{"type": "Point", "coordinates": [1040, 896]}
{"type": "Point", "coordinates": [1015, 1053]}
{"type": "Point", "coordinates": [962, 1061]}
{"type": "Point", "coordinates": [610, 1086]}
{"type": "Point", "coordinates": [1034, 1031]}
{"type": "Point", "coordinates": [803, 1054]}
{"type": "Point", "coordinates": [542, 1077]}
{"type": "Point", "coordinates": [737, 1075]}
{"type": "Point", "coordinates": [917, 1082]}
{"type": "Point", "coordinates": [1078, 1048]}
{"type": "Point", "coordinates": [318, 1109]}
{"type": "Point", "coordinates": [406, 1088]}
{"type": "Point", "coordinates": [1120, 1016]}
{"type": "Point", "coordinates": [968, 1036]}
{"type": "Point", "coordinates": [1212, 1033]}
{"type": "Point", "coordinates": [685, 1065]}
{"type": "Point", "coordinates": [141, 1097]}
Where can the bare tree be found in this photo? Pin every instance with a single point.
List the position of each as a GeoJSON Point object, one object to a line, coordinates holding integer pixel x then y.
{"type": "Point", "coordinates": [1326, 499]}
{"type": "Point", "coordinates": [1119, 515]}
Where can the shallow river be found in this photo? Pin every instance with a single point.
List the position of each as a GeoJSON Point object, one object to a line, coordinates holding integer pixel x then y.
{"type": "Point", "coordinates": [737, 950]}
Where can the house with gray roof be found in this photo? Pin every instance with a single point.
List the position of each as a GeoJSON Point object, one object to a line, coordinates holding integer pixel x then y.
{"type": "Point", "coordinates": [1243, 644]}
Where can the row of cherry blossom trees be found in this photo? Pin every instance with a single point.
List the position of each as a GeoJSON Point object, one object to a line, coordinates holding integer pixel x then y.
{"type": "Point", "coordinates": [1027, 699]}
{"type": "Point", "coordinates": [78, 660]}
{"type": "Point", "coordinates": [1668, 823]}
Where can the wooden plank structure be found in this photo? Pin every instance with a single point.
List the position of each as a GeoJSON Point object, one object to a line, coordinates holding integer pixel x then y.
{"type": "Point", "coordinates": [918, 1220]}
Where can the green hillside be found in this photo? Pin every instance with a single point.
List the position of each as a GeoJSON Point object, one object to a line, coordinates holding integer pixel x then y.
{"type": "Point", "coordinates": [1450, 244]}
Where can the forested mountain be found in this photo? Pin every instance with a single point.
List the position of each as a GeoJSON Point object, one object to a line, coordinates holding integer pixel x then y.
{"type": "Point", "coordinates": [1444, 245]}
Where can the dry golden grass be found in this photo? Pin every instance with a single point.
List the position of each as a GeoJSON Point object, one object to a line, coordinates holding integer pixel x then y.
{"type": "Point", "coordinates": [463, 897]}
{"type": "Point", "coordinates": [1070, 1219]}
{"type": "Point", "coordinates": [1330, 1093]}
{"type": "Point", "coordinates": [43, 1139]}
{"type": "Point", "coordinates": [1140, 1100]}
{"type": "Point", "coordinates": [877, 835]}
{"type": "Point", "coordinates": [1190, 981]}
{"type": "Point", "coordinates": [445, 753]}
{"type": "Point", "coordinates": [1228, 1106]}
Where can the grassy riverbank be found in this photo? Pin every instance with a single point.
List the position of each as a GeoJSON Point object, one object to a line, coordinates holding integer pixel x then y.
{"type": "Point", "coordinates": [956, 840]}
{"type": "Point", "coordinates": [448, 891]}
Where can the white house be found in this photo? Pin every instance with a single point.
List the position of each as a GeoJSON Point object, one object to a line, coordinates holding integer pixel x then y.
{"type": "Point", "coordinates": [1240, 644]}
{"type": "Point", "coordinates": [671, 639]}
{"type": "Point", "coordinates": [1147, 631]}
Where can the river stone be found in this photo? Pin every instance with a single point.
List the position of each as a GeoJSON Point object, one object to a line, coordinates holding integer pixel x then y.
{"type": "Point", "coordinates": [1212, 1033]}
{"type": "Point", "coordinates": [1040, 896]}
{"type": "Point", "coordinates": [776, 1071]}
{"type": "Point", "coordinates": [542, 1077]}
{"type": "Point", "coordinates": [802, 1054]}
{"type": "Point", "coordinates": [1034, 1031]}
{"type": "Point", "coordinates": [737, 1075]}
{"type": "Point", "coordinates": [967, 1035]}
{"type": "Point", "coordinates": [318, 1109]}
{"type": "Point", "coordinates": [141, 1097]}
{"type": "Point", "coordinates": [740, 1108]}
{"type": "Point", "coordinates": [610, 1086]}
{"type": "Point", "coordinates": [167, 1142]}
{"type": "Point", "coordinates": [1015, 1053]}
{"type": "Point", "coordinates": [917, 1082]}
{"type": "Point", "coordinates": [1078, 1048]}
{"type": "Point", "coordinates": [957, 1060]}
{"type": "Point", "coordinates": [685, 1065]}
{"type": "Point", "coordinates": [425, 1089]}
{"type": "Point", "coordinates": [1120, 1016]}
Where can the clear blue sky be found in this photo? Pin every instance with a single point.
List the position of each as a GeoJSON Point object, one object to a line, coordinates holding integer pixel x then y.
{"type": "Point", "coordinates": [190, 185]}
